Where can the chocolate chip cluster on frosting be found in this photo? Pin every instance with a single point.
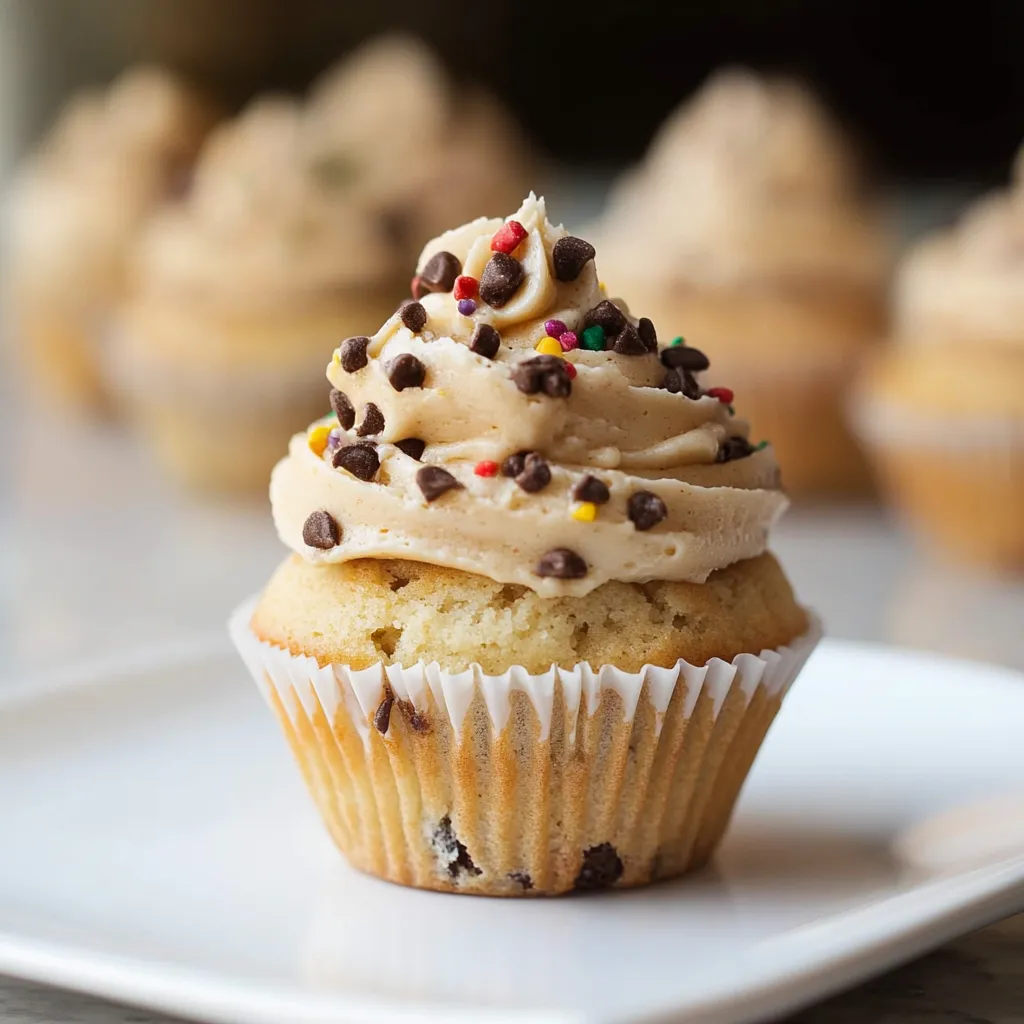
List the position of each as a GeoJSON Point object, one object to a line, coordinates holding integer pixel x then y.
{"type": "Point", "coordinates": [512, 420]}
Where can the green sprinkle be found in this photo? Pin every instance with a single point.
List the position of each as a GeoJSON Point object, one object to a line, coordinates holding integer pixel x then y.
{"type": "Point", "coordinates": [678, 341]}
{"type": "Point", "coordinates": [592, 338]}
{"type": "Point", "coordinates": [760, 445]}
{"type": "Point", "coordinates": [732, 410]}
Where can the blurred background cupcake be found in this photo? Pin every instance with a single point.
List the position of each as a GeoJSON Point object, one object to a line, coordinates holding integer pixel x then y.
{"type": "Point", "coordinates": [943, 409]}
{"type": "Point", "coordinates": [747, 228]}
{"type": "Point", "coordinates": [75, 212]}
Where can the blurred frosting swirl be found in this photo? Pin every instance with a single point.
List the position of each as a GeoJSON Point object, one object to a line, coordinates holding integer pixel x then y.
{"type": "Point", "coordinates": [749, 182]}
{"type": "Point", "coordinates": [714, 498]}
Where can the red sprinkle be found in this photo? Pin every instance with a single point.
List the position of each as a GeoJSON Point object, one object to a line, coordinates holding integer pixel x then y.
{"type": "Point", "coordinates": [465, 287]}
{"type": "Point", "coordinates": [486, 468]}
{"type": "Point", "coordinates": [724, 395]}
{"type": "Point", "coordinates": [507, 238]}
{"type": "Point", "coordinates": [570, 369]}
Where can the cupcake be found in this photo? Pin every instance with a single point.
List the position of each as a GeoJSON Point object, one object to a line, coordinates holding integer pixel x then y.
{"type": "Point", "coordinates": [943, 409]}
{"type": "Point", "coordinates": [746, 224]}
{"type": "Point", "coordinates": [530, 638]}
{"type": "Point", "coordinates": [75, 212]}
{"type": "Point", "coordinates": [241, 291]}
{"type": "Point", "coordinates": [452, 153]}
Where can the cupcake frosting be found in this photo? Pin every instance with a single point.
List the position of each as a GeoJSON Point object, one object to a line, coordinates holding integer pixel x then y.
{"type": "Point", "coordinates": [466, 435]}
{"type": "Point", "coordinates": [967, 283]}
{"type": "Point", "coordinates": [749, 182]}
{"type": "Point", "coordinates": [268, 219]}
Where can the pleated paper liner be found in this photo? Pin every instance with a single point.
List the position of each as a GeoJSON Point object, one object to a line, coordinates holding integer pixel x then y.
{"type": "Point", "coordinates": [523, 784]}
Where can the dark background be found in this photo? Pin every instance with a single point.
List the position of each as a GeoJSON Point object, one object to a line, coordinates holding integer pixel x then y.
{"type": "Point", "coordinates": [935, 91]}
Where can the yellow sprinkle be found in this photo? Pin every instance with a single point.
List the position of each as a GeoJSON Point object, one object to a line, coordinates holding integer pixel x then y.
{"type": "Point", "coordinates": [548, 347]}
{"type": "Point", "coordinates": [585, 512]}
{"type": "Point", "coordinates": [601, 285]}
{"type": "Point", "coordinates": [317, 438]}
{"type": "Point", "coordinates": [336, 358]}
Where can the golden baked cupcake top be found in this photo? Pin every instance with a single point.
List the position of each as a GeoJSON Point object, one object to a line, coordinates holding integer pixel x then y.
{"type": "Point", "coordinates": [110, 157]}
{"type": "Point", "coordinates": [749, 182]}
{"type": "Point", "coordinates": [511, 420]}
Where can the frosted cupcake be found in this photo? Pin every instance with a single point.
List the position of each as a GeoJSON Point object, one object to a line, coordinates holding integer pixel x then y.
{"type": "Point", "coordinates": [452, 152]}
{"type": "Point", "coordinates": [241, 292]}
{"type": "Point", "coordinates": [746, 225]}
{"type": "Point", "coordinates": [530, 638]}
{"type": "Point", "coordinates": [75, 212]}
{"type": "Point", "coordinates": [943, 409]}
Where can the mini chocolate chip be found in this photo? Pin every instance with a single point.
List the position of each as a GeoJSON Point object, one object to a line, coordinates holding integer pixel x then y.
{"type": "Point", "coordinates": [343, 409]}
{"type": "Point", "coordinates": [545, 374]}
{"type": "Point", "coordinates": [434, 481]}
{"type": "Point", "coordinates": [607, 316]}
{"type": "Point", "coordinates": [734, 448]}
{"type": "Point", "coordinates": [648, 335]}
{"type": "Point", "coordinates": [601, 868]}
{"type": "Point", "coordinates": [440, 272]}
{"type": "Point", "coordinates": [418, 722]}
{"type": "Point", "coordinates": [591, 489]}
{"type": "Point", "coordinates": [453, 853]}
{"type": "Point", "coordinates": [485, 341]}
{"type": "Point", "coordinates": [682, 357]}
{"type": "Point", "coordinates": [413, 447]}
{"type": "Point", "coordinates": [570, 255]}
{"type": "Point", "coordinates": [629, 342]}
{"type": "Point", "coordinates": [562, 564]}
{"type": "Point", "coordinates": [521, 878]}
{"type": "Point", "coordinates": [361, 460]}
{"type": "Point", "coordinates": [501, 279]}
{"type": "Point", "coordinates": [413, 315]}
{"type": "Point", "coordinates": [645, 509]}
{"type": "Point", "coordinates": [678, 381]}
{"type": "Point", "coordinates": [353, 354]}
{"type": "Point", "coordinates": [535, 474]}
{"type": "Point", "coordinates": [514, 464]}
{"type": "Point", "coordinates": [321, 531]}
{"type": "Point", "coordinates": [382, 716]}
{"type": "Point", "coordinates": [406, 371]}
{"type": "Point", "coordinates": [373, 421]}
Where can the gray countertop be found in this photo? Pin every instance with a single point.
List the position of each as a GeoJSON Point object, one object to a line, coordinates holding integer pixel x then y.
{"type": "Point", "coordinates": [99, 554]}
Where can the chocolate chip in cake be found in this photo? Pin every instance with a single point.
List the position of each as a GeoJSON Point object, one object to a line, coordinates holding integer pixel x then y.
{"type": "Point", "coordinates": [440, 272]}
{"type": "Point", "coordinates": [373, 421]}
{"type": "Point", "coordinates": [413, 447]}
{"type": "Point", "coordinates": [452, 854]}
{"type": "Point", "coordinates": [535, 474]}
{"type": "Point", "coordinates": [501, 279]}
{"type": "Point", "coordinates": [545, 374]}
{"type": "Point", "coordinates": [382, 716]}
{"type": "Point", "coordinates": [682, 357]}
{"type": "Point", "coordinates": [413, 315]}
{"type": "Point", "coordinates": [561, 564]}
{"type": "Point", "coordinates": [570, 255]}
{"type": "Point", "coordinates": [361, 460]}
{"type": "Point", "coordinates": [343, 409]}
{"type": "Point", "coordinates": [629, 342]}
{"type": "Point", "coordinates": [733, 448]}
{"type": "Point", "coordinates": [681, 381]}
{"type": "Point", "coordinates": [607, 316]}
{"type": "Point", "coordinates": [522, 879]}
{"type": "Point", "coordinates": [591, 489]}
{"type": "Point", "coordinates": [353, 353]}
{"type": "Point", "coordinates": [513, 465]}
{"type": "Point", "coordinates": [433, 481]}
{"type": "Point", "coordinates": [648, 335]}
{"type": "Point", "coordinates": [645, 509]}
{"type": "Point", "coordinates": [601, 868]}
{"type": "Point", "coordinates": [406, 371]}
{"type": "Point", "coordinates": [485, 341]}
{"type": "Point", "coordinates": [320, 530]}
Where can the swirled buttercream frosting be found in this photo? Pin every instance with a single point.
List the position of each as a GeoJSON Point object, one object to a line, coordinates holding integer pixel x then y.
{"type": "Point", "coordinates": [512, 420]}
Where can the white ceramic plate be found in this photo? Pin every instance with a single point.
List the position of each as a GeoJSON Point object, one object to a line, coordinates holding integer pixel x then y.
{"type": "Point", "coordinates": [157, 847]}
